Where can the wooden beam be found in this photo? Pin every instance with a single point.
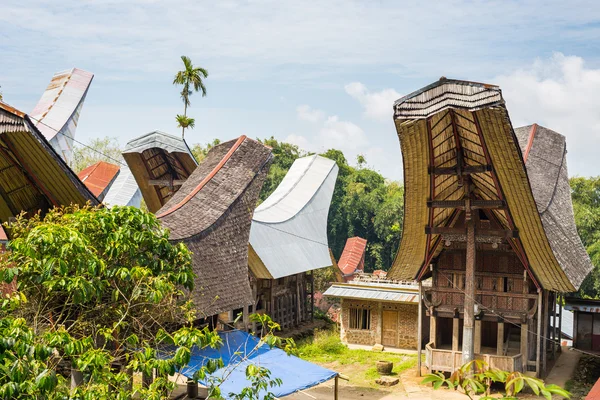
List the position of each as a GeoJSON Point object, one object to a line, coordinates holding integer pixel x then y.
{"type": "Point", "coordinates": [538, 354]}
{"type": "Point", "coordinates": [460, 171]}
{"type": "Point", "coordinates": [475, 204]}
{"type": "Point", "coordinates": [450, 230]}
{"type": "Point", "coordinates": [166, 182]}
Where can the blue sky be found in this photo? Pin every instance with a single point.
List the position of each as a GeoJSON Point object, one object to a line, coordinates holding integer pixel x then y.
{"type": "Point", "coordinates": [321, 74]}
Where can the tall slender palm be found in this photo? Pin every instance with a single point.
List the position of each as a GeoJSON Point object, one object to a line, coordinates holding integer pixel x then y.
{"type": "Point", "coordinates": [190, 78]}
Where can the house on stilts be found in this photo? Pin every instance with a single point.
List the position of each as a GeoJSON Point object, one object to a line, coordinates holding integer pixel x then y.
{"type": "Point", "coordinates": [488, 217]}
{"type": "Point", "coordinates": [288, 239]}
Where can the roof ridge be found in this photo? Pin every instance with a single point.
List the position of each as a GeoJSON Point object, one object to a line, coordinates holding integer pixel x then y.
{"type": "Point", "coordinates": [532, 133]}
{"type": "Point", "coordinates": [206, 179]}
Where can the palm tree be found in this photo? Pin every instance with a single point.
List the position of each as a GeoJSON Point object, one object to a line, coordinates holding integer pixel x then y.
{"type": "Point", "coordinates": [185, 122]}
{"type": "Point", "coordinates": [191, 80]}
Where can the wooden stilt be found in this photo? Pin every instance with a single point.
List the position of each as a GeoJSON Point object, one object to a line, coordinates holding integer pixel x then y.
{"type": "Point", "coordinates": [538, 353]}
{"type": "Point", "coordinates": [379, 326]}
{"type": "Point", "coordinates": [546, 321]}
{"type": "Point", "coordinates": [554, 326]}
{"type": "Point", "coordinates": [500, 339]}
{"type": "Point", "coordinates": [477, 337]}
{"type": "Point", "coordinates": [468, 349]}
{"type": "Point", "coordinates": [560, 302]}
{"type": "Point", "coordinates": [420, 329]}
{"type": "Point", "coordinates": [432, 327]}
{"type": "Point", "coordinates": [525, 345]}
{"type": "Point", "coordinates": [455, 333]}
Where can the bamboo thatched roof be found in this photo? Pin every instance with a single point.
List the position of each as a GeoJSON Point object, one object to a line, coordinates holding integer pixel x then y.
{"type": "Point", "coordinates": [545, 155]}
{"type": "Point", "coordinates": [452, 120]}
{"type": "Point", "coordinates": [211, 214]}
{"type": "Point", "coordinates": [33, 177]}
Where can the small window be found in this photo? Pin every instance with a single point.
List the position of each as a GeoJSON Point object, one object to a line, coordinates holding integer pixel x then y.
{"type": "Point", "coordinates": [360, 318]}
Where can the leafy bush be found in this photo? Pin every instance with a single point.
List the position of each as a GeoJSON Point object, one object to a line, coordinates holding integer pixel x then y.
{"type": "Point", "coordinates": [475, 378]}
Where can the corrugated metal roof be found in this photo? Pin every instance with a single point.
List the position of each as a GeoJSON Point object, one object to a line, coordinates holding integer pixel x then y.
{"type": "Point", "coordinates": [124, 191]}
{"type": "Point", "coordinates": [57, 112]}
{"type": "Point", "coordinates": [353, 256]}
{"type": "Point", "coordinates": [289, 229]}
{"type": "Point", "coordinates": [98, 177]}
{"type": "Point", "coordinates": [584, 305]}
{"type": "Point", "coordinates": [372, 293]}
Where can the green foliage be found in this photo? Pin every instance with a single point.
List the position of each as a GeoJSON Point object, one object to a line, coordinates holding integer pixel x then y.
{"type": "Point", "coordinates": [101, 291]}
{"type": "Point", "coordinates": [185, 122]}
{"type": "Point", "coordinates": [475, 378]}
{"type": "Point", "coordinates": [103, 149]}
{"type": "Point", "coordinates": [200, 151]}
{"type": "Point", "coordinates": [585, 193]}
{"type": "Point", "coordinates": [284, 155]}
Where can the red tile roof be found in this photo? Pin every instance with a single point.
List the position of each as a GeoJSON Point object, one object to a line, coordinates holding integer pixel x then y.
{"type": "Point", "coordinates": [98, 177]}
{"type": "Point", "coordinates": [353, 256]}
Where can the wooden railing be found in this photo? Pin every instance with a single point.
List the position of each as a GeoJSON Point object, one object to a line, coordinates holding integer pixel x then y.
{"type": "Point", "coordinates": [449, 361]}
{"type": "Point", "coordinates": [499, 301]}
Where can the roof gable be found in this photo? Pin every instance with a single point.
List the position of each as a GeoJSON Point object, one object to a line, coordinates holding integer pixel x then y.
{"type": "Point", "coordinates": [99, 177]}
{"type": "Point", "coordinates": [353, 256]}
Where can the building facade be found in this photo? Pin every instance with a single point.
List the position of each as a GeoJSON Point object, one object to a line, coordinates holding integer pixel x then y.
{"type": "Point", "coordinates": [377, 312]}
{"type": "Point", "coordinates": [488, 216]}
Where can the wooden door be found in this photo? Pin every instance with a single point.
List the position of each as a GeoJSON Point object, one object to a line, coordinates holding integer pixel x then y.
{"type": "Point", "coordinates": [389, 329]}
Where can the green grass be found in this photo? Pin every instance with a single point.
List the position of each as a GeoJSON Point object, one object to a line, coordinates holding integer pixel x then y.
{"type": "Point", "coordinates": [325, 348]}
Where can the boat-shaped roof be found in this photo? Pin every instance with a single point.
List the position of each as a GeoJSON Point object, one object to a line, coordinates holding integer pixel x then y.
{"type": "Point", "coordinates": [160, 164]}
{"type": "Point", "coordinates": [211, 214]}
{"type": "Point", "coordinates": [289, 229]}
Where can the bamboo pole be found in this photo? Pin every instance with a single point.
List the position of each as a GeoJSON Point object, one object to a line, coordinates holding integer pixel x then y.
{"type": "Point", "coordinates": [335, 390]}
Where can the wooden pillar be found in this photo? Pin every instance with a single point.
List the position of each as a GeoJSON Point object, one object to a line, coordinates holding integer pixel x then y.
{"type": "Point", "coordinates": [432, 327]}
{"type": "Point", "coordinates": [468, 349]}
{"type": "Point", "coordinates": [525, 345]}
{"type": "Point", "coordinates": [554, 302]}
{"type": "Point", "coordinates": [538, 353]}
{"type": "Point", "coordinates": [342, 322]}
{"type": "Point", "coordinates": [420, 329]}
{"type": "Point", "coordinates": [378, 327]}
{"type": "Point", "coordinates": [298, 307]}
{"type": "Point", "coordinates": [500, 339]}
{"type": "Point", "coordinates": [560, 307]}
{"type": "Point", "coordinates": [455, 333]}
{"type": "Point", "coordinates": [477, 338]}
{"type": "Point", "coordinates": [312, 295]}
{"type": "Point", "coordinates": [546, 320]}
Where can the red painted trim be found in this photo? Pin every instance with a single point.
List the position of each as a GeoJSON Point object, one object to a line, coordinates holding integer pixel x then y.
{"type": "Point", "coordinates": [206, 179]}
{"type": "Point", "coordinates": [530, 141]}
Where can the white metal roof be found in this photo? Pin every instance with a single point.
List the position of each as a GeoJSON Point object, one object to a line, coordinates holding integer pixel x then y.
{"type": "Point", "coordinates": [124, 191]}
{"type": "Point", "coordinates": [162, 140]}
{"type": "Point", "coordinates": [372, 293]}
{"type": "Point", "coordinates": [57, 112]}
{"type": "Point", "coordinates": [289, 229]}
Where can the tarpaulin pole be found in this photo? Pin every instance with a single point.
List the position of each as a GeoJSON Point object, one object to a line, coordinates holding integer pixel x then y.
{"type": "Point", "coordinates": [335, 390]}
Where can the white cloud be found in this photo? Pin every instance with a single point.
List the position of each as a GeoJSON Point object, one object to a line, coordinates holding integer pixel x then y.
{"type": "Point", "coordinates": [377, 105]}
{"type": "Point", "coordinates": [562, 94]}
{"type": "Point", "coordinates": [306, 113]}
{"type": "Point", "coordinates": [342, 134]}
{"type": "Point", "coordinates": [301, 141]}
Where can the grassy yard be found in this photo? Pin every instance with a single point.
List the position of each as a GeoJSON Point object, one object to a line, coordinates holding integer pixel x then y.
{"type": "Point", "coordinates": [326, 349]}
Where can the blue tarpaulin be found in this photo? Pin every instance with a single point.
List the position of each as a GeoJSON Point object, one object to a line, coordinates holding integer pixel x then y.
{"type": "Point", "coordinates": [295, 373]}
